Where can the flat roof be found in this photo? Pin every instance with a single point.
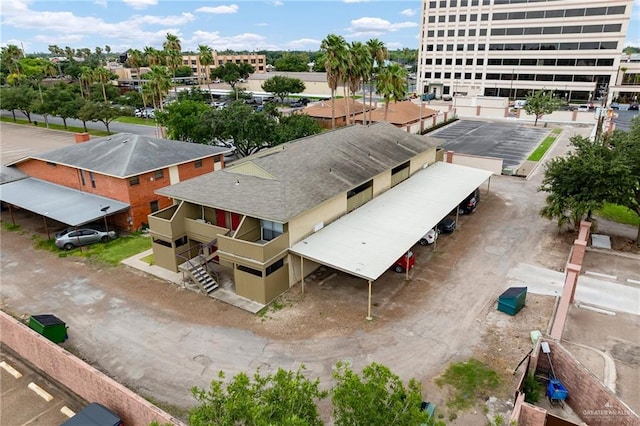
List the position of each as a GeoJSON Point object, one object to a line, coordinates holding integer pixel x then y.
{"type": "Point", "coordinates": [58, 202]}
{"type": "Point", "coordinates": [368, 241]}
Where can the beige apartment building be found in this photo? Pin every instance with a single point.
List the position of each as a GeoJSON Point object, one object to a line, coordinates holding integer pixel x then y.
{"type": "Point", "coordinates": [258, 62]}
{"type": "Point", "coordinates": [355, 199]}
{"type": "Point", "coordinates": [508, 48]}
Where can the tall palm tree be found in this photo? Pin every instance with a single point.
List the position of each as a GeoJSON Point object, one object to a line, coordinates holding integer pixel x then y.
{"type": "Point", "coordinates": [159, 81]}
{"type": "Point", "coordinates": [205, 56]}
{"type": "Point", "coordinates": [152, 56]}
{"type": "Point", "coordinates": [134, 60]}
{"type": "Point", "coordinates": [173, 51]}
{"type": "Point", "coordinates": [86, 78]}
{"type": "Point", "coordinates": [56, 51]}
{"type": "Point", "coordinates": [103, 76]}
{"type": "Point", "coordinates": [359, 70]}
{"type": "Point", "coordinates": [392, 84]}
{"type": "Point", "coordinates": [379, 55]}
{"type": "Point", "coordinates": [99, 54]}
{"type": "Point", "coordinates": [69, 53]}
{"type": "Point", "coordinates": [335, 48]}
{"type": "Point", "coordinates": [11, 55]}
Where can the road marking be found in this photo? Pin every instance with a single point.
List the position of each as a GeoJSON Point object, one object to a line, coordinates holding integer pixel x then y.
{"type": "Point", "coordinates": [67, 411]}
{"type": "Point", "coordinates": [598, 274]}
{"type": "Point", "coordinates": [41, 392]}
{"type": "Point", "coordinates": [630, 281]}
{"type": "Point", "coordinates": [15, 373]}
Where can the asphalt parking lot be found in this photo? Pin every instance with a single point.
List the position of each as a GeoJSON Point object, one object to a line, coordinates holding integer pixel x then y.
{"type": "Point", "coordinates": [511, 142]}
{"type": "Point", "coordinates": [623, 119]}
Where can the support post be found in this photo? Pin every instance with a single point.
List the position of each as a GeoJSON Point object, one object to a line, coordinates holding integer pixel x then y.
{"type": "Point", "coordinates": [302, 273]}
{"type": "Point", "coordinates": [488, 185]}
{"type": "Point", "coordinates": [13, 220]}
{"type": "Point", "coordinates": [46, 227]}
{"type": "Point", "coordinates": [369, 318]}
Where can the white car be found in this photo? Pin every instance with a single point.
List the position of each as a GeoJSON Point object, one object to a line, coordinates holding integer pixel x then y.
{"type": "Point", "coordinates": [429, 238]}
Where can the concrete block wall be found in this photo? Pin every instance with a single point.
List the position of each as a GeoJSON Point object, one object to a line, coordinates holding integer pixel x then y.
{"type": "Point", "coordinates": [79, 377]}
{"type": "Point", "coordinates": [588, 397]}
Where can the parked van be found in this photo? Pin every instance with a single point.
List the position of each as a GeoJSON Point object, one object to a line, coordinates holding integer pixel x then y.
{"type": "Point", "coordinates": [519, 103]}
{"type": "Point", "coordinates": [583, 107]}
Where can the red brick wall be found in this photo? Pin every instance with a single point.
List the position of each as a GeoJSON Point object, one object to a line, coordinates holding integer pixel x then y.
{"type": "Point", "coordinates": [588, 397]}
{"type": "Point", "coordinates": [81, 378]}
{"type": "Point", "coordinates": [188, 170]}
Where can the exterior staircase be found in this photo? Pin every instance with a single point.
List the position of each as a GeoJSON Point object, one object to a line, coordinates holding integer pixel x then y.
{"type": "Point", "coordinates": [197, 271]}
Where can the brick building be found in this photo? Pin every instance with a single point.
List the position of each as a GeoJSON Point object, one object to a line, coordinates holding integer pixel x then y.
{"type": "Point", "coordinates": [118, 173]}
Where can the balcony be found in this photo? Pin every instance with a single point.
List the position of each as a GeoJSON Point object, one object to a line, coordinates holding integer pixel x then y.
{"type": "Point", "coordinates": [198, 229]}
{"type": "Point", "coordinates": [259, 251]}
{"type": "Point", "coordinates": [163, 223]}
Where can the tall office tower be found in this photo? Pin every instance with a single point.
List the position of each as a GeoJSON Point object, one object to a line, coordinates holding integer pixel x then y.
{"type": "Point", "coordinates": [509, 48]}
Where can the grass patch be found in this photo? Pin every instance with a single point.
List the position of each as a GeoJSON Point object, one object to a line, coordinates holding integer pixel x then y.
{"type": "Point", "coordinates": [149, 259]}
{"type": "Point", "coordinates": [136, 120]}
{"type": "Point", "coordinates": [53, 126]}
{"type": "Point", "coordinates": [619, 214]}
{"type": "Point", "coordinates": [544, 146]}
{"type": "Point", "coordinates": [10, 226]}
{"type": "Point", "coordinates": [469, 381]}
{"type": "Point", "coordinates": [110, 253]}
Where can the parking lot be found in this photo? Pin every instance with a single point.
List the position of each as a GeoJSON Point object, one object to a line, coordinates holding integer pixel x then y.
{"type": "Point", "coordinates": [511, 142]}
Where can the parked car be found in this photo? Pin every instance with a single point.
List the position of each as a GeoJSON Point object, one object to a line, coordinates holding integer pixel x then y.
{"type": "Point", "coordinates": [429, 238]}
{"type": "Point", "coordinates": [305, 101]}
{"type": "Point", "coordinates": [446, 226]}
{"type": "Point", "coordinates": [405, 263]}
{"type": "Point", "coordinates": [470, 203]}
{"type": "Point", "coordinates": [447, 97]}
{"type": "Point", "coordinates": [94, 414]}
{"type": "Point", "coordinates": [71, 237]}
{"type": "Point", "coordinates": [633, 107]}
{"type": "Point", "coordinates": [583, 107]}
{"type": "Point", "coordinates": [520, 103]}
{"type": "Point", "coordinates": [296, 104]}
{"type": "Point", "coordinates": [614, 105]}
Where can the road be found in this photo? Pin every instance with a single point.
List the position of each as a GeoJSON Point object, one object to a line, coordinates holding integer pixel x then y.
{"type": "Point", "coordinates": [114, 127]}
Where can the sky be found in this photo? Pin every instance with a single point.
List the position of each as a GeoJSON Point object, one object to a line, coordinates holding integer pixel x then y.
{"type": "Point", "coordinates": [237, 24]}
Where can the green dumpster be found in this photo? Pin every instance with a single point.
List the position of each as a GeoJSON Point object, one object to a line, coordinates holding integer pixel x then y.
{"type": "Point", "coordinates": [512, 300]}
{"type": "Point", "coordinates": [50, 326]}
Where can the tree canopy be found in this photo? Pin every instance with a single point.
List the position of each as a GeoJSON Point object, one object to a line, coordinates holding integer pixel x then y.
{"type": "Point", "coordinates": [540, 103]}
{"type": "Point", "coordinates": [592, 173]}
{"type": "Point", "coordinates": [282, 86]}
{"type": "Point", "coordinates": [231, 72]}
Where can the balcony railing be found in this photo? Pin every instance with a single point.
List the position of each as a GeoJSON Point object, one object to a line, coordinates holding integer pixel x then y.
{"type": "Point", "coordinates": [259, 251]}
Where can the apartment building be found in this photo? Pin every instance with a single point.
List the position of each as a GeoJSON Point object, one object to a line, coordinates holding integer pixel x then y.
{"type": "Point", "coordinates": [259, 63]}
{"type": "Point", "coordinates": [508, 48]}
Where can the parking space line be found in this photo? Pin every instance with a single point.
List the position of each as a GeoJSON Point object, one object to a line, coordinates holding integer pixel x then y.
{"type": "Point", "coordinates": [67, 411]}
{"type": "Point", "coordinates": [41, 392]}
{"type": "Point", "coordinates": [15, 373]}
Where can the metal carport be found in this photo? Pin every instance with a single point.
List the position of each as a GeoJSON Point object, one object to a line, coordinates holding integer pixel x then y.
{"type": "Point", "coordinates": [367, 241]}
{"type": "Point", "coordinates": [65, 205]}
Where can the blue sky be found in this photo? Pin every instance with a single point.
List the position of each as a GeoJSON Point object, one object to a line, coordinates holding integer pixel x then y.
{"type": "Point", "coordinates": [236, 25]}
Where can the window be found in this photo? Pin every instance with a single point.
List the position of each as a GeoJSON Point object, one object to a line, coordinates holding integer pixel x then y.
{"type": "Point", "coordinates": [615, 10]}
{"type": "Point", "coordinates": [467, 76]}
{"type": "Point", "coordinates": [494, 61]}
{"type": "Point", "coordinates": [449, 47]}
{"type": "Point", "coordinates": [442, 18]}
{"type": "Point", "coordinates": [554, 14]}
{"type": "Point", "coordinates": [484, 17]}
{"type": "Point", "coordinates": [566, 62]}
{"type": "Point", "coordinates": [574, 12]}
{"type": "Point", "coordinates": [274, 267]}
{"type": "Point", "coordinates": [134, 181]}
{"type": "Point", "coordinates": [93, 179]}
{"type": "Point", "coordinates": [483, 32]}
{"type": "Point", "coordinates": [612, 28]}
{"type": "Point", "coordinates": [437, 75]}
{"type": "Point", "coordinates": [428, 61]}
{"type": "Point", "coordinates": [481, 46]}
{"type": "Point", "coordinates": [463, 18]}
{"type": "Point", "coordinates": [430, 33]}
{"type": "Point", "coordinates": [49, 163]}
{"type": "Point", "coordinates": [473, 17]}
{"type": "Point", "coordinates": [510, 61]}
{"type": "Point", "coordinates": [528, 61]}
{"type": "Point", "coordinates": [532, 31]}
{"type": "Point", "coordinates": [458, 61]}
{"type": "Point", "coordinates": [568, 46]}
{"type": "Point", "coordinates": [460, 33]}
{"type": "Point", "coordinates": [478, 76]}
{"type": "Point", "coordinates": [439, 47]}
{"type": "Point", "coordinates": [452, 18]}
{"type": "Point", "coordinates": [480, 61]}
{"type": "Point", "coordinates": [596, 11]}
{"type": "Point", "coordinates": [500, 16]}
{"type": "Point", "coordinates": [552, 30]}
{"type": "Point", "coordinates": [432, 4]}
{"type": "Point", "coordinates": [161, 242]}
{"type": "Point", "coordinates": [197, 164]}
{"type": "Point", "coordinates": [592, 29]}
{"type": "Point", "coordinates": [534, 14]}
{"type": "Point", "coordinates": [154, 206]}
{"type": "Point", "coordinates": [472, 32]}
{"type": "Point", "coordinates": [447, 75]}
{"type": "Point", "coordinates": [469, 61]}
{"type": "Point", "coordinates": [457, 75]}
{"type": "Point", "coordinates": [498, 31]}
{"type": "Point", "coordinates": [432, 19]}
{"type": "Point", "coordinates": [471, 47]}
{"type": "Point", "coordinates": [608, 45]}
{"type": "Point", "coordinates": [438, 61]}
{"type": "Point", "coordinates": [158, 174]}
{"type": "Point", "coordinates": [440, 33]}
{"type": "Point", "coordinates": [248, 270]}
{"type": "Point", "coordinates": [589, 45]}
{"type": "Point", "coordinates": [516, 15]}
{"type": "Point", "coordinates": [515, 31]}
{"type": "Point", "coordinates": [270, 230]}
{"type": "Point", "coordinates": [448, 61]}
{"type": "Point", "coordinates": [82, 177]}
{"type": "Point", "coordinates": [451, 33]}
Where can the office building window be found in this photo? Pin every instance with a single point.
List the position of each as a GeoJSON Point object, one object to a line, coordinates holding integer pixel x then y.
{"type": "Point", "coordinates": [134, 181]}
{"type": "Point", "coordinates": [483, 32]}
{"type": "Point", "coordinates": [467, 76]}
{"type": "Point", "coordinates": [439, 48]}
{"type": "Point", "coordinates": [484, 17]}
{"type": "Point", "coordinates": [472, 32]}
{"type": "Point", "coordinates": [449, 47]}
{"type": "Point", "coordinates": [478, 76]}
{"type": "Point", "coordinates": [615, 10]}
{"type": "Point", "coordinates": [154, 206]}
{"type": "Point", "coordinates": [442, 18]}
{"type": "Point", "coordinates": [452, 18]}
{"type": "Point", "coordinates": [428, 61]}
{"type": "Point", "coordinates": [427, 75]}
{"type": "Point", "coordinates": [448, 61]}
{"type": "Point", "coordinates": [437, 75]}
{"type": "Point", "coordinates": [469, 61]}
{"type": "Point", "coordinates": [432, 19]}
{"type": "Point", "coordinates": [480, 61]}
{"type": "Point", "coordinates": [430, 33]}
{"type": "Point", "coordinates": [447, 75]}
{"type": "Point", "coordinates": [438, 61]}
{"type": "Point", "coordinates": [451, 33]}
{"type": "Point", "coordinates": [463, 18]}
{"type": "Point", "coordinates": [458, 61]}
{"type": "Point", "coordinates": [457, 75]}
{"type": "Point", "coordinates": [473, 17]}
{"type": "Point", "coordinates": [460, 47]}
{"type": "Point", "coordinates": [440, 33]}
{"type": "Point", "coordinates": [460, 33]}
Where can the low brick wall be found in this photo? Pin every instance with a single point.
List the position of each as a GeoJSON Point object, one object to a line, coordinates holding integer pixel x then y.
{"type": "Point", "coordinates": [588, 397]}
{"type": "Point", "coordinates": [79, 377]}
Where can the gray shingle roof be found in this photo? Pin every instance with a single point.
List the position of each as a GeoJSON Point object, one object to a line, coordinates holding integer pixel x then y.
{"type": "Point", "coordinates": [124, 155]}
{"type": "Point", "coordinates": [11, 174]}
{"type": "Point", "coordinates": [305, 172]}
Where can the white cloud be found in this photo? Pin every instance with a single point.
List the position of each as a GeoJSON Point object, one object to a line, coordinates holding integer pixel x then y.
{"type": "Point", "coordinates": [303, 42]}
{"type": "Point", "coordinates": [140, 4]}
{"type": "Point", "coordinates": [375, 27]}
{"type": "Point", "coordinates": [408, 12]}
{"type": "Point", "coordinates": [245, 41]}
{"type": "Point", "coordinates": [262, 24]}
{"type": "Point", "coordinates": [182, 19]}
{"type": "Point", "coordinates": [278, 3]}
{"type": "Point", "coordinates": [219, 10]}
{"type": "Point", "coordinates": [394, 45]}
{"type": "Point", "coordinates": [102, 3]}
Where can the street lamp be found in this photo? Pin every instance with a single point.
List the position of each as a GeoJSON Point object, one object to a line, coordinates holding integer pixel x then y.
{"type": "Point", "coordinates": [104, 210]}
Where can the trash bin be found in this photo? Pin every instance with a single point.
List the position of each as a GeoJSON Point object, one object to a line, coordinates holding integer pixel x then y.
{"type": "Point", "coordinates": [50, 326]}
{"type": "Point", "coordinates": [512, 300]}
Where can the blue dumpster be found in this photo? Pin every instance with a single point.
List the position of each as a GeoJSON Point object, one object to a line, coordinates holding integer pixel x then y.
{"type": "Point", "coordinates": [512, 300]}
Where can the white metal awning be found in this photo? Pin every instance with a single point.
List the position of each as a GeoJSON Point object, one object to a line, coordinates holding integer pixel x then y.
{"type": "Point", "coordinates": [57, 202]}
{"type": "Point", "coordinates": [367, 241]}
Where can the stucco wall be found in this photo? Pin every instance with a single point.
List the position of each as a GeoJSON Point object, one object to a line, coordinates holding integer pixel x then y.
{"type": "Point", "coordinates": [79, 377]}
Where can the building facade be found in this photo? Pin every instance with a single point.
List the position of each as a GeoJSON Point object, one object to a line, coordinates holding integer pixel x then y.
{"type": "Point", "coordinates": [509, 48]}
{"type": "Point", "coordinates": [258, 62]}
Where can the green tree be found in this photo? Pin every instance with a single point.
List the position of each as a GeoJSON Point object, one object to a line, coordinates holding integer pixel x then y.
{"type": "Point", "coordinates": [540, 103]}
{"type": "Point", "coordinates": [282, 86]}
{"type": "Point", "coordinates": [292, 62]}
{"type": "Point", "coordinates": [392, 84]}
{"type": "Point", "coordinates": [583, 180]}
{"type": "Point", "coordinates": [18, 98]}
{"type": "Point", "coordinates": [98, 111]}
{"type": "Point", "coordinates": [379, 55]}
{"type": "Point", "coordinates": [284, 398]}
{"type": "Point", "coordinates": [103, 76]}
{"type": "Point", "coordinates": [183, 120]}
{"type": "Point", "coordinates": [360, 68]}
{"type": "Point", "coordinates": [205, 55]}
{"type": "Point", "coordinates": [173, 54]}
{"type": "Point", "coordinates": [378, 397]}
{"type": "Point", "coordinates": [10, 56]}
{"type": "Point", "coordinates": [64, 99]}
{"type": "Point", "coordinates": [335, 48]}
{"type": "Point", "coordinates": [158, 84]}
{"type": "Point", "coordinates": [231, 73]}
{"type": "Point", "coordinates": [295, 126]}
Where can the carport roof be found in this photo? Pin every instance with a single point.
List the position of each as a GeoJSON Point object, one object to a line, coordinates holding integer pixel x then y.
{"type": "Point", "coordinates": [366, 242]}
{"type": "Point", "coordinates": [58, 202]}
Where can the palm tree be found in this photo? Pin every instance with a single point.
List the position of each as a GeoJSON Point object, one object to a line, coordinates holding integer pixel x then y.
{"type": "Point", "coordinates": [11, 55]}
{"type": "Point", "coordinates": [134, 60]}
{"type": "Point", "coordinates": [392, 84]}
{"type": "Point", "coordinates": [173, 52]}
{"type": "Point", "coordinates": [86, 78]}
{"type": "Point", "coordinates": [205, 56]}
{"type": "Point", "coordinates": [99, 54]}
{"type": "Point", "coordinates": [152, 56]}
{"type": "Point", "coordinates": [379, 55]}
{"type": "Point", "coordinates": [361, 64]}
{"type": "Point", "coordinates": [335, 48]}
{"type": "Point", "coordinates": [69, 53]}
{"type": "Point", "coordinates": [102, 75]}
{"type": "Point", "coordinates": [159, 81]}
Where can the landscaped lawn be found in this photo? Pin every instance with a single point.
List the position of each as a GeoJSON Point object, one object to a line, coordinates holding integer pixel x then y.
{"type": "Point", "coordinates": [619, 214]}
{"type": "Point", "coordinates": [544, 146]}
{"type": "Point", "coordinates": [55, 126]}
